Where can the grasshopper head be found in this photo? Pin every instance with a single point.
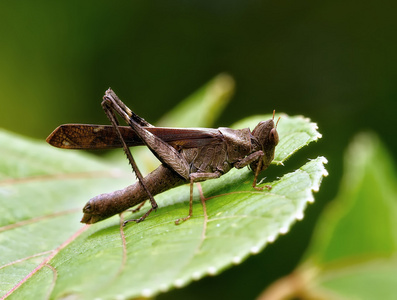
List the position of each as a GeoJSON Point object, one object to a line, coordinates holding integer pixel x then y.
{"type": "Point", "coordinates": [267, 137]}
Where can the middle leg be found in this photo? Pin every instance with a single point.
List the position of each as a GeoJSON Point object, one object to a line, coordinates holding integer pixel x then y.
{"type": "Point", "coordinates": [195, 177]}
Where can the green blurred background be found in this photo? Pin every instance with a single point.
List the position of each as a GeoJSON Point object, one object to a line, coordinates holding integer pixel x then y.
{"type": "Point", "coordinates": [332, 61]}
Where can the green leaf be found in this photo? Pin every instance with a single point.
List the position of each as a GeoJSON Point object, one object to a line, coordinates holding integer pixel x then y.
{"type": "Point", "coordinates": [355, 244]}
{"type": "Point", "coordinates": [45, 251]}
{"type": "Point", "coordinates": [353, 253]}
{"type": "Point", "coordinates": [362, 221]}
{"type": "Point", "coordinates": [41, 193]}
{"type": "Point", "coordinates": [375, 279]}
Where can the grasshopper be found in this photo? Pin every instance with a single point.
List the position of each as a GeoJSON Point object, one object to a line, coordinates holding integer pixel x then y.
{"type": "Point", "coordinates": [188, 155]}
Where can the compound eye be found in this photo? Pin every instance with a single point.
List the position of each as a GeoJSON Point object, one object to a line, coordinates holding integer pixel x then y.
{"type": "Point", "coordinates": [273, 136]}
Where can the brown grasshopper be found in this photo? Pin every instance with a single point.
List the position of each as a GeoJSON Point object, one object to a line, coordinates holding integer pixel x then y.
{"type": "Point", "coordinates": [187, 155]}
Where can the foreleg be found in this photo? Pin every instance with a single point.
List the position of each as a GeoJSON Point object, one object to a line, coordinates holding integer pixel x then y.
{"type": "Point", "coordinates": [258, 155]}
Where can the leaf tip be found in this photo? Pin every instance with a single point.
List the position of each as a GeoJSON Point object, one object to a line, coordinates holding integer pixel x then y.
{"type": "Point", "coordinates": [299, 216]}
{"type": "Point", "coordinates": [211, 271]}
{"type": "Point", "coordinates": [236, 260]}
{"type": "Point", "coordinates": [317, 135]}
{"type": "Point", "coordinates": [255, 250]}
{"type": "Point", "coordinates": [163, 287]}
{"type": "Point", "coordinates": [146, 293]}
{"type": "Point", "coordinates": [284, 229]}
{"type": "Point", "coordinates": [196, 275]}
{"type": "Point", "coordinates": [271, 238]}
{"type": "Point", "coordinates": [179, 283]}
{"type": "Point", "coordinates": [311, 198]}
{"type": "Point", "coordinates": [324, 173]}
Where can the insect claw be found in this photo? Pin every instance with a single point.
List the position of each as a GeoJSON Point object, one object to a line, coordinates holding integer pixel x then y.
{"type": "Point", "coordinates": [133, 220]}
{"type": "Point", "coordinates": [179, 221]}
{"type": "Point", "coordinates": [261, 188]}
